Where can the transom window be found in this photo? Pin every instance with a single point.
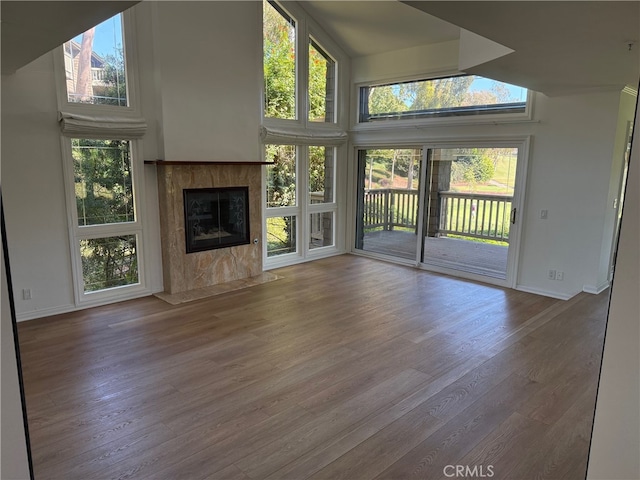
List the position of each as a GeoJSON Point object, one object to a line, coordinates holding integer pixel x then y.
{"type": "Point", "coordinates": [94, 64]}
{"type": "Point", "coordinates": [461, 95]}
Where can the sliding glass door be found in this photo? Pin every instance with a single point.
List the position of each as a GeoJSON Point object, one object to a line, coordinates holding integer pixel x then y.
{"type": "Point", "coordinates": [447, 209]}
{"type": "Point", "coordinates": [388, 206]}
{"type": "Point", "coordinates": [470, 209]}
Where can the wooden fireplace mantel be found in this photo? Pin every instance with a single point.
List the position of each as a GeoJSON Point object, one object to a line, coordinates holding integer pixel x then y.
{"type": "Point", "coordinates": [196, 162]}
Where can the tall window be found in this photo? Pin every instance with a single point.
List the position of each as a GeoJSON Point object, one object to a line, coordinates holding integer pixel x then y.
{"type": "Point", "coordinates": [107, 232]}
{"type": "Point", "coordinates": [102, 158]}
{"type": "Point", "coordinates": [322, 88]}
{"type": "Point", "coordinates": [301, 110]}
{"type": "Point", "coordinates": [279, 33]}
{"type": "Point", "coordinates": [95, 65]}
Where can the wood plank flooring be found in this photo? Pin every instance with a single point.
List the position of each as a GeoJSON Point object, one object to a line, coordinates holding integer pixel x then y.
{"type": "Point", "coordinates": [346, 368]}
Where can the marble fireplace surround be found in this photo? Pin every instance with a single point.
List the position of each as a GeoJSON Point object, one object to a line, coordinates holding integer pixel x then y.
{"type": "Point", "coordinates": [231, 266]}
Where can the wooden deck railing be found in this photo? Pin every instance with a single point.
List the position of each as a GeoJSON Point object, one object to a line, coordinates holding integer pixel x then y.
{"type": "Point", "coordinates": [464, 214]}
{"type": "Point", "coordinates": [390, 207]}
{"type": "Point", "coordinates": [475, 215]}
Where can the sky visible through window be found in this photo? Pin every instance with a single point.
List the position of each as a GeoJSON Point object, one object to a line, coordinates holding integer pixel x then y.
{"type": "Point", "coordinates": [108, 37]}
{"type": "Point", "coordinates": [517, 94]}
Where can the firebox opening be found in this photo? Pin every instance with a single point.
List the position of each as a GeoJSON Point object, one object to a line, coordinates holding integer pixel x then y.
{"type": "Point", "coordinates": [216, 218]}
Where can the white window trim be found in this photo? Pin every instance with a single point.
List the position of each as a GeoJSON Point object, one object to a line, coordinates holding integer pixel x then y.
{"type": "Point", "coordinates": [131, 60]}
{"type": "Point", "coordinates": [306, 29]}
{"type": "Point", "coordinates": [302, 210]}
{"type": "Point", "coordinates": [520, 141]}
{"type": "Point", "coordinates": [484, 119]}
{"type": "Point", "coordinates": [117, 118]}
{"type": "Point", "coordinates": [78, 233]}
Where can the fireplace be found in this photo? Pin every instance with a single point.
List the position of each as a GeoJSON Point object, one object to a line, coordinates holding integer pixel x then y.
{"type": "Point", "coordinates": [216, 218]}
{"type": "Point", "coordinates": [207, 265]}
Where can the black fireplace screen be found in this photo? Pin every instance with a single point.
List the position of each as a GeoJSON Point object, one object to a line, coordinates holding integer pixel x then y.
{"type": "Point", "coordinates": [216, 217]}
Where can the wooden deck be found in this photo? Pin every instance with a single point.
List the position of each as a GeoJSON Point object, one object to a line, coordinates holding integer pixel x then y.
{"type": "Point", "coordinates": [475, 257]}
{"type": "Point", "coordinates": [345, 368]}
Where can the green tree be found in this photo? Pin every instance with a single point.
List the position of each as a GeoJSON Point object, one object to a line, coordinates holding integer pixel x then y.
{"type": "Point", "coordinates": [115, 89]}
{"type": "Point", "coordinates": [279, 63]}
{"type": "Point", "coordinates": [104, 195]}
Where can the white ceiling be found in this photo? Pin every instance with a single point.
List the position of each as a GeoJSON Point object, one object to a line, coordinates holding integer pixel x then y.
{"type": "Point", "coordinates": [560, 47]}
{"type": "Point", "coordinates": [365, 27]}
{"type": "Point", "coordinates": [32, 28]}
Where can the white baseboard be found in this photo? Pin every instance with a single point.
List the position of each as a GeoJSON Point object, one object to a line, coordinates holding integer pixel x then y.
{"type": "Point", "coordinates": [546, 293]}
{"type": "Point", "coordinates": [595, 290]}
{"type": "Point", "coordinates": [48, 312]}
{"type": "Point", "coordinates": [45, 312]}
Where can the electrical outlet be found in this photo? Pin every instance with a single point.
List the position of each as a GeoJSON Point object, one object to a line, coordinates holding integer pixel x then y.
{"type": "Point", "coordinates": [26, 294]}
{"type": "Point", "coordinates": [559, 275]}
{"type": "Point", "coordinates": [551, 275]}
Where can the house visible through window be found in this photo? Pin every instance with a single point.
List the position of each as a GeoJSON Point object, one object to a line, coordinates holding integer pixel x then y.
{"type": "Point", "coordinates": [441, 97]}
{"type": "Point", "coordinates": [95, 65]}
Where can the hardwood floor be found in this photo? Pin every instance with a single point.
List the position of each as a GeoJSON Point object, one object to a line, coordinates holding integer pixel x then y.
{"type": "Point", "coordinates": [346, 368]}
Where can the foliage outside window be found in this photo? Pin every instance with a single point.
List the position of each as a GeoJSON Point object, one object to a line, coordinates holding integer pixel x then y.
{"type": "Point", "coordinates": [442, 97]}
{"type": "Point", "coordinates": [104, 198]}
{"type": "Point", "coordinates": [109, 262]}
{"type": "Point", "coordinates": [103, 182]}
{"type": "Point", "coordinates": [322, 77]}
{"type": "Point", "coordinates": [281, 235]}
{"type": "Point", "coordinates": [95, 65]}
{"type": "Point", "coordinates": [321, 174]}
{"type": "Point", "coordinates": [281, 176]}
{"type": "Point", "coordinates": [279, 62]}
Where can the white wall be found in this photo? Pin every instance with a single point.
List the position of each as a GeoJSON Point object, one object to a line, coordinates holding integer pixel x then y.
{"type": "Point", "coordinates": [210, 63]}
{"type": "Point", "coordinates": [569, 172]}
{"type": "Point", "coordinates": [14, 463]}
{"type": "Point", "coordinates": [615, 441]}
{"type": "Point", "coordinates": [200, 94]}
{"type": "Point", "coordinates": [199, 84]}
{"type": "Point", "coordinates": [625, 115]}
{"type": "Point", "coordinates": [33, 190]}
{"type": "Point", "coordinates": [570, 167]}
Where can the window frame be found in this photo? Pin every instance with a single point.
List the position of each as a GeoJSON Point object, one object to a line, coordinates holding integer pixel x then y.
{"type": "Point", "coordinates": [78, 232]}
{"type": "Point", "coordinates": [302, 210]}
{"type": "Point", "coordinates": [435, 121]}
{"type": "Point", "coordinates": [131, 60]}
{"type": "Point", "coordinates": [306, 31]}
{"type": "Point", "coordinates": [137, 227]}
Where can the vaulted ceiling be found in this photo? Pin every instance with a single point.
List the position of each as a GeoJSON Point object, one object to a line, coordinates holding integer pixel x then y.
{"type": "Point", "coordinates": [31, 29]}
{"type": "Point", "coordinates": [558, 47]}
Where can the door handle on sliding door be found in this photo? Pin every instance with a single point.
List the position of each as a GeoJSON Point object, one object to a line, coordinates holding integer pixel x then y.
{"type": "Point", "coordinates": [513, 216]}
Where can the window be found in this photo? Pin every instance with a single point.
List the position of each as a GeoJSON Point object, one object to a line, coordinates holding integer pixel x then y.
{"type": "Point", "coordinates": [102, 158]}
{"type": "Point", "coordinates": [301, 136]}
{"type": "Point", "coordinates": [290, 198]}
{"type": "Point", "coordinates": [103, 184]}
{"type": "Point", "coordinates": [95, 65]}
{"type": "Point", "coordinates": [322, 89]}
{"type": "Point", "coordinates": [107, 232]}
{"type": "Point", "coordinates": [441, 97]}
{"type": "Point", "coordinates": [279, 62]}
